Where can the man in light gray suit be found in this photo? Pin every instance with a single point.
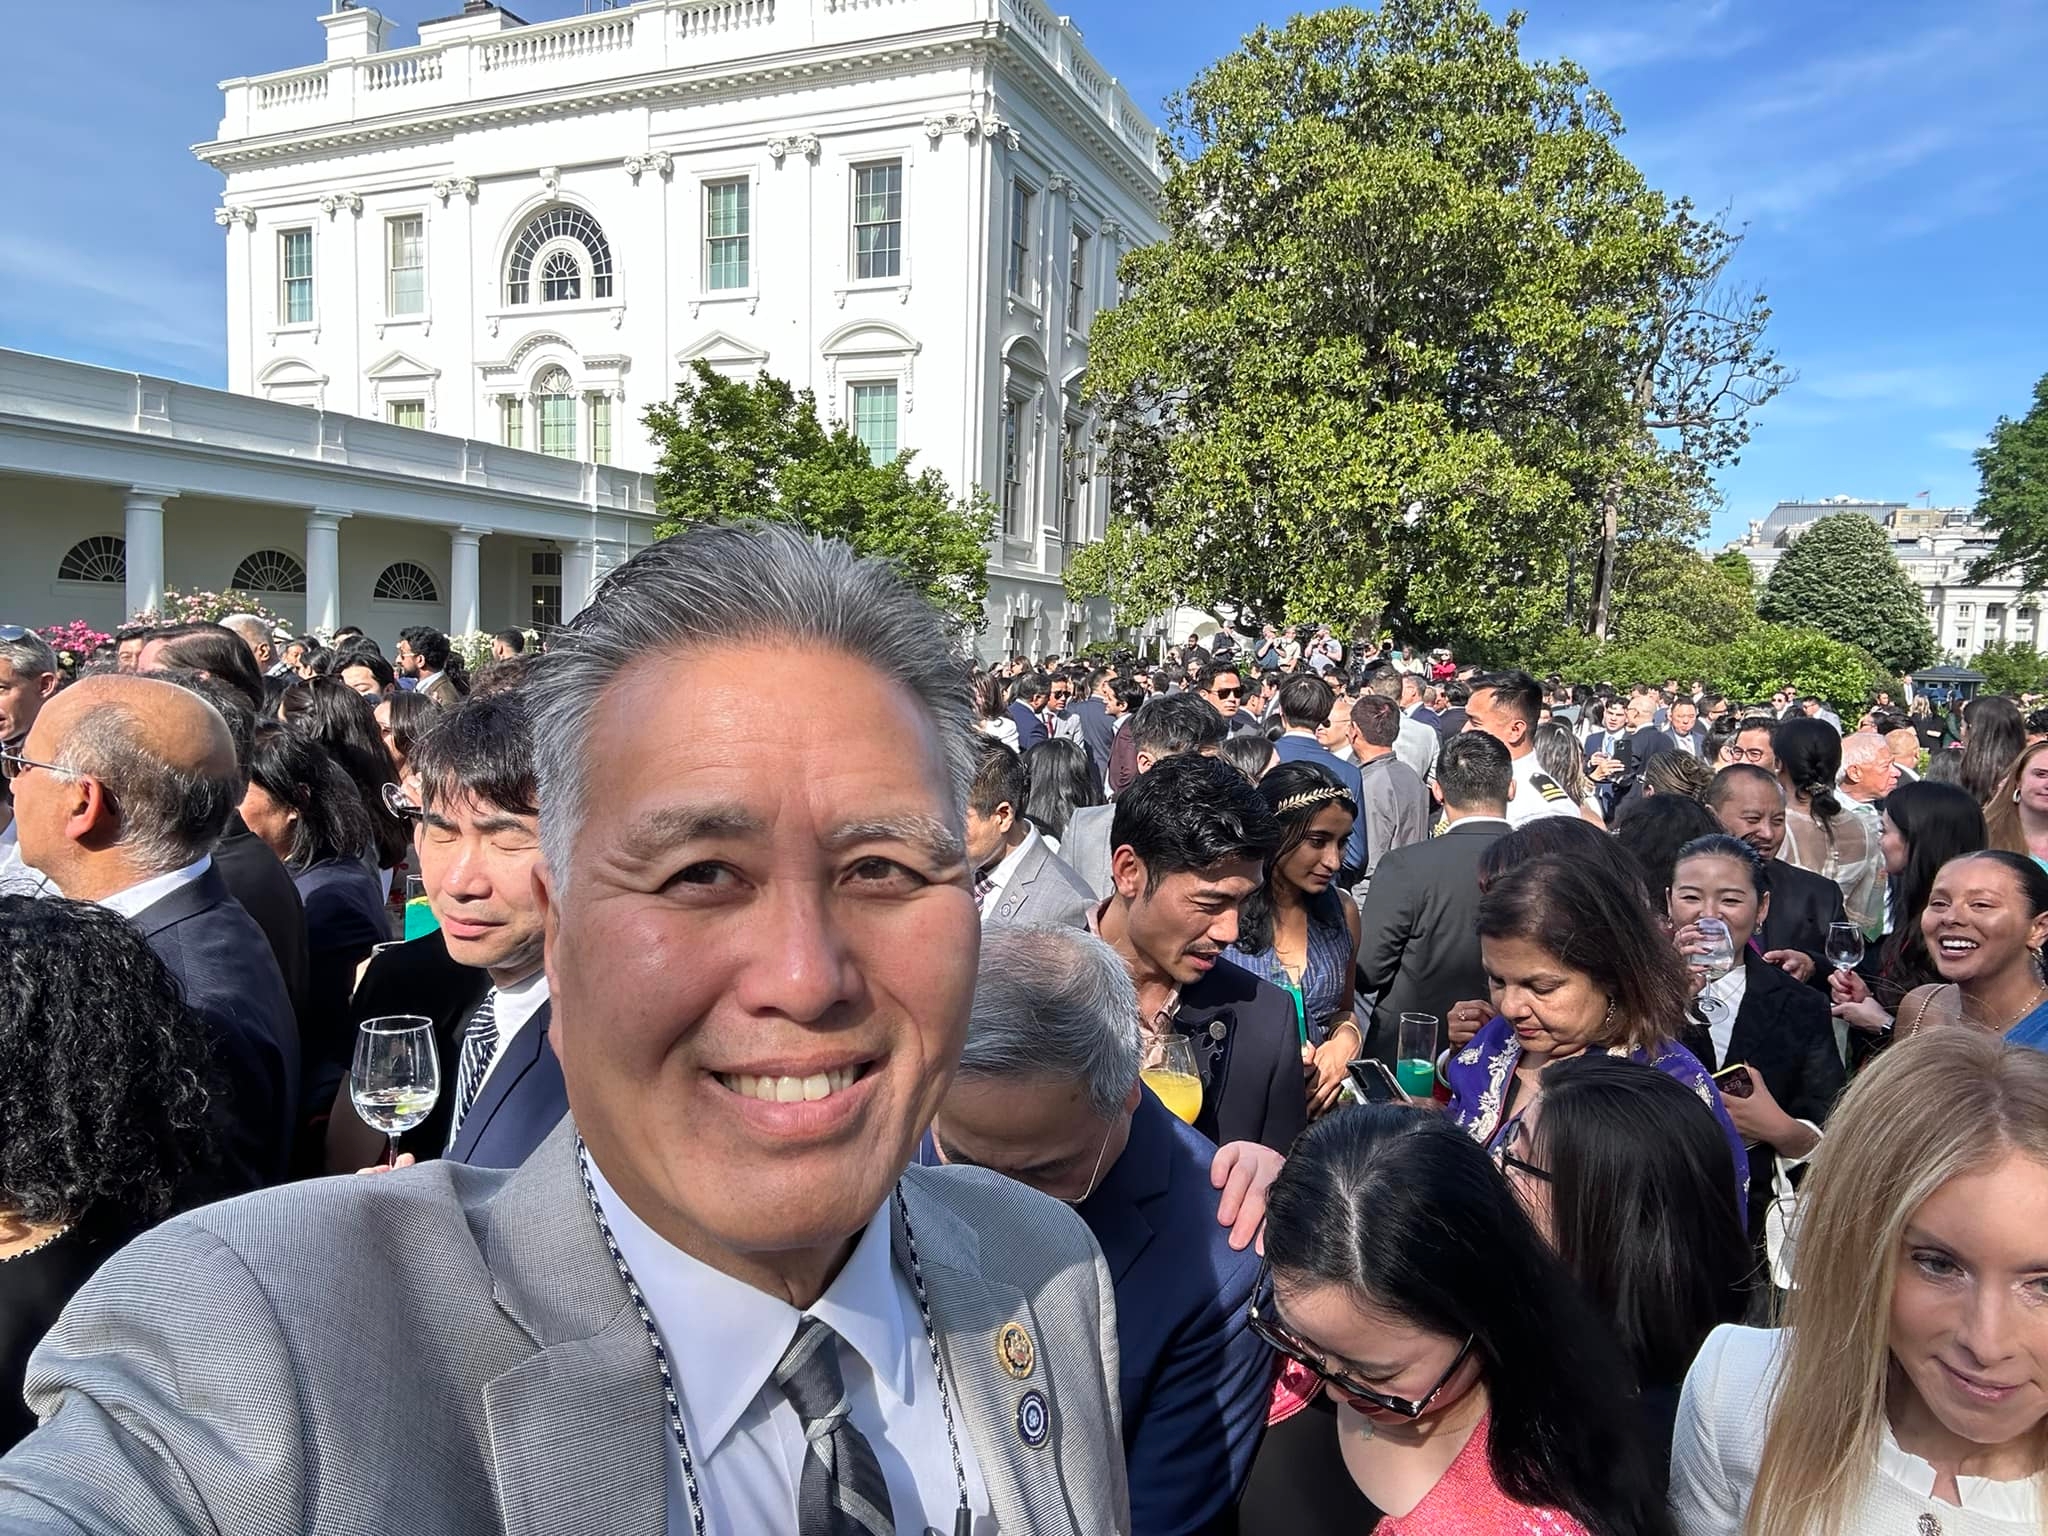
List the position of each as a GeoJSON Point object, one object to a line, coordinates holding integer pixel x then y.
{"type": "Point", "coordinates": [761, 954]}
{"type": "Point", "coordinates": [1163, 727]}
{"type": "Point", "coordinates": [1017, 877]}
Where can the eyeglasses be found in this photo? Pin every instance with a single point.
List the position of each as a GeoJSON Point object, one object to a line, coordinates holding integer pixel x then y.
{"type": "Point", "coordinates": [13, 764]}
{"type": "Point", "coordinates": [1267, 1325]}
{"type": "Point", "coordinates": [400, 804]}
{"type": "Point", "coordinates": [1505, 1156]}
{"type": "Point", "coordinates": [1228, 693]}
{"type": "Point", "coordinates": [1745, 754]}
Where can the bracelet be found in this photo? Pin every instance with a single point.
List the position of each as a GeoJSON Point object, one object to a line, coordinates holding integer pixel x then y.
{"type": "Point", "coordinates": [1352, 1025]}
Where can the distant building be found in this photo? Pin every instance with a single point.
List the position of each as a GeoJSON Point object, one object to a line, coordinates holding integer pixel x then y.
{"type": "Point", "coordinates": [1936, 546]}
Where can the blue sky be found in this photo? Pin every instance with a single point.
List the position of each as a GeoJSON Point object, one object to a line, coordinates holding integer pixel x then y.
{"type": "Point", "coordinates": [1890, 162]}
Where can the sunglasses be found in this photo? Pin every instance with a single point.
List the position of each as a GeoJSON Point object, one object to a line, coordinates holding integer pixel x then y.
{"type": "Point", "coordinates": [1229, 693]}
{"type": "Point", "coordinates": [400, 804]}
{"type": "Point", "coordinates": [13, 632]}
{"type": "Point", "coordinates": [1265, 1323]}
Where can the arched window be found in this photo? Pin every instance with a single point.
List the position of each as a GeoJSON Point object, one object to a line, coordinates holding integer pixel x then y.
{"type": "Point", "coordinates": [102, 558]}
{"type": "Point", "coordinates": [404, 582]}
{"type": "Point", "coordinates": [555, 407]}
{"type": "Point", "coordinates": [574, 256]}
{"type": "Point", "coordinates": [269, 570]}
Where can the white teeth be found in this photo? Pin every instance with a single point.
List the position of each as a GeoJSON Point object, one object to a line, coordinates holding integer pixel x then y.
{"type": "Point", "coordinates": [792, 1090]}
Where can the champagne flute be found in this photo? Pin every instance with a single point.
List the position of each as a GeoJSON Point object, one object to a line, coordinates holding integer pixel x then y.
{"type": "Point", "coordinates": [1168, 1068]}
{"type": "Point", "coordinates": [1714, 961]}
{"type": "Point", "coordinates": [1845, 946]}
{"type": "Point", "coordinates": [395, 1078]}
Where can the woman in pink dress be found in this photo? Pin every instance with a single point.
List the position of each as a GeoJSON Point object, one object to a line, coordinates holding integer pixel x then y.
{"type": "Point", "coordinates": [1477, 1393]}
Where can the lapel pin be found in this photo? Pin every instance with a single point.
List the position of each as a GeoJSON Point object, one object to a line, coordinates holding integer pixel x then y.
{"type": "Point", "coordinates": [1014, 1352]}
{"type": "Point", "coordinates": [1034, 1419]}
{"type": "Point", "coordinates": [1217, 1030]}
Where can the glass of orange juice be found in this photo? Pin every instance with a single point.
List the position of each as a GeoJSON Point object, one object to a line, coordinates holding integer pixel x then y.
{"type": "Point", "coordinates": [1169, 1071]}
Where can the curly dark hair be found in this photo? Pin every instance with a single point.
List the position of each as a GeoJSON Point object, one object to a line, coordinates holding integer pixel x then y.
{"type": "Point", "coordinates": [102, 1103]}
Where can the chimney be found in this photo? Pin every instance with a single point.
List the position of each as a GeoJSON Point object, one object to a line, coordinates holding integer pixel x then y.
{"type": "Point", "coordinates": [355, 31]}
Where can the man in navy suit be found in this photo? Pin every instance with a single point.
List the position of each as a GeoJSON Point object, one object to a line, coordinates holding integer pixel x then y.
{"type": "Point", "coordinates": [1048, 1092]}
{"type": "Point", "coordinates": [1027, 708]}
{"type": "Point", "coordinates": [1305, 705]}
{"type": "Point", "coordinates": [121, 792]}
{"type": "Point", "coordinates": [478, 842]}
{"type": "Point", "coordinates": [1098, 725]}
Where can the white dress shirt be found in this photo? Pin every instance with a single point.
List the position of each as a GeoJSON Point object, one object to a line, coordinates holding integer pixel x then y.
{"type": "Point", "coordinates": [724, 1339]}
{"type": "Point", "coordinates": [16, 878]}
{"type": "Point", "coordinates": [516, 1007]}
{"type": "Point", "coordinates": [1001, 872]}
{"type": "Point", "coordinates": [139, 898]}
{"type": "Point", "coordinates": [1729, 992]}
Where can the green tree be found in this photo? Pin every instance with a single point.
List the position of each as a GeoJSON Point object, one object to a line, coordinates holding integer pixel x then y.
{"type": "Point", "coordinates": [2012, 497]}
{"type": "Point", "coordinates": [1773, 656]}
{"type": "Point", "coordinates": [732, 451]}
{"type": "Point", "coordinates": [2011, 668]}
{"type": "Point", "coordinates": [1665, 590]}
{"type": "Point", "coordinates": [1841, 579]}
{"type": "Point", "coordinates": [1734, 564]}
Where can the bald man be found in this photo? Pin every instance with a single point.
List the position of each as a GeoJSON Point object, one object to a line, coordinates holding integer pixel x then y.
{"type": "Point", "coordinates": [121, 792]}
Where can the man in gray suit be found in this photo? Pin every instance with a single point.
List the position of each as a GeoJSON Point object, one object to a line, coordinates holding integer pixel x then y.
{"type": "Point", "coordinates": [716, 1299]}
{"type": "Point", "coordinates": [1163, 727]}
{"type": "Point", "coordinates": [1017, 877]}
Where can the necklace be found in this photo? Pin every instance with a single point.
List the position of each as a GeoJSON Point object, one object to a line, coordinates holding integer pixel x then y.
{"type": "Point", "coordinates": [35, 1247]}
{"type": "Point", "coordinates": [2025, 1008]}
{"type": "Point", "coordinates": [963, 1517]}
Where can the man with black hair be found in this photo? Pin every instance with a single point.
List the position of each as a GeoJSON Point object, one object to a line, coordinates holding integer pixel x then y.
{"type": "Point", "coordinates": [1222, 687]}
{"type": "Point", "coordinates": [1393, 803]}
{"type": "Point", "coordinates": [1307, 704]}
{"type": "Point", "coordinates": [1749, 802]}
{"type": "Point", "coordinates": [364, 669]}
{"type": "Point", "coordinates": [1190, 840]}
{"type": "Point", "coordinates": [1027, 708]}
{"type": "Point", "coordinates": [1018, 879]}
{"type": "Point", "coordinates": [506, 643]}
{"type": "Point", "coordinates": [1506, 706]}
{"type": "Point", "coordinates": [1130, 696]}
{"type": "Point", "coordinates": [423, 656]}
{"type": "Point", "coordinates": [1416, 744]}
{"type": "Point", "coordinates": [479, 977]}
{"type": "Point", "coordinates": [1164, 727]}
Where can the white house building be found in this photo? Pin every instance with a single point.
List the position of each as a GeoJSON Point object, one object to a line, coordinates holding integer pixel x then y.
{"type": "Point", "coordinates": [524, 235]}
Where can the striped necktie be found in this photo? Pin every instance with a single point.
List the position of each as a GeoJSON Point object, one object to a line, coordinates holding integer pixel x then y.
{"type": "Point", "coordinates": [479, 1046]}
{"type": "Point", "coordinates": [842, 1492]}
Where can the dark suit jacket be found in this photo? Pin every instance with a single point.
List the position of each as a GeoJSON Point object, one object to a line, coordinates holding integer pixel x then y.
{"type": "Point", "coordinates": [1418, 948]}
{"type": "Point", "coordinates": [1195, 1380]}
{"type": "Point", "coordinates": [1123, 762]}
{"type": "Point", "coordinates": [1252, 1083]}
{"type": "Point", "coordinates": [1422, 714]}
{"type": "Point", "coordinates": [257, 879]}
{"type": "Point", "coordinates": [1786, 1034]}
{"type": "Point", "coordinates": [223, 963]}
{"type": "Point", "coordinates": [523, 1101]}
{"type": "Point", "coordinates": [1641, 746]}
{"type": "Point", "coordinates": [422, 977]}
{"type": "Point", "coordinates": [1098, 733]}
{"type": "Point", "coordinates": [1803, 905]}
{"type": "Point", "coordinates": [1306, 749]}
{"type": "Point", "coordinates": [1030, 729]}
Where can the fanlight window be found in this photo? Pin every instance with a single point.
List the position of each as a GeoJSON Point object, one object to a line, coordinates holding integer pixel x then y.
{"type": "Point", "coordinates": [269, 570]}
{"type": "Point", "coordinates": [102, 558]}
{"type": "Point", "coordinates": [562, 271]}
{"type": "Point", "coordinates": [404, 582]}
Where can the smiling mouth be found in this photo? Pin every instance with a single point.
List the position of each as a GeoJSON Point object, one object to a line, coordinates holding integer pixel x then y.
{"type": "Point", "coordinates": [1987, 1391]}
{"type": "Point", "coordinates": [1958, 946]}
{"type": "Point", "coordinates": [793, 1090]}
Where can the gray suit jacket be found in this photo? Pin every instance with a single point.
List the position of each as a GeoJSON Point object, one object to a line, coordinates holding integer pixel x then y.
{"type": "Point", "coordinates": [1085, 847]}
{"type": "Point", "coordinates": [1043, 892]}
{"type": "Point", "coordinates": [450, 1350]}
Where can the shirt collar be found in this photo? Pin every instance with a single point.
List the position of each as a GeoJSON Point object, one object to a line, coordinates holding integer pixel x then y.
{"type": "Point", "coordinates": [1162, 1021]}
{"type": "Point", "coordinates": [520, 1002]}
{"type": "Point", "coordinates": [732, 1335]}
{"type": "Point", "coordinates": [140, 897]}
{"type": "Point", "coordinates": [998, 874]}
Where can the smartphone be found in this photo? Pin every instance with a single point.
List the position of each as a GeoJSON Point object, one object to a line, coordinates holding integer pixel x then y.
{"type": "Point", "coordinates": [1372, 1082]}
{"type": "Point", "coordinates": [1735, 1082]}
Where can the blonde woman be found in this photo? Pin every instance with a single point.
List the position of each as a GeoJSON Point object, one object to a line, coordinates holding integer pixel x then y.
{"type": "Point", "coordinates": [1909, 1388]}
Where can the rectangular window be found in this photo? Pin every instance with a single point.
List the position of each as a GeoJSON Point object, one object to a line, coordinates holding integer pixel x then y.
{"type": "Point", "coordinates": [878, 220]}
{"type": "Point", "coordinates": [295, 271]}
{"type": "Point", "coordinates": [547, 606]}
{"type": "Point", "coordinates": [728, 227]}
{"type": "Point", "coordinates": [1962, 610]}
{"type": "Point", "coordinates": [1023, 208]}
{"type": "Point", "coordinates": [515, 423]}
{"type": "Point", "coordinates": [547, 562]}
{"type": "Point", "coordinates": [1013, 474]}
{"type": "Point", "coordinates": [405, 282]}
{"type": "Point", "coordinates": [1077, 282]}
{"type": "Point", "coordinates": [1073, 487]}
{"type": "Point", "coordinates": [406, 413]}
{"type": "Point", "coordinates": [557, 425]}
{"type": "Point", "coordinates": [874, 420]}
{"type": "Point", "coordinates": [601, 428]}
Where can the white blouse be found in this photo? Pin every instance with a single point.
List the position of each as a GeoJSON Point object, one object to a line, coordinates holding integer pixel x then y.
{"type": "Point", "coordinates": [1719, 1446]}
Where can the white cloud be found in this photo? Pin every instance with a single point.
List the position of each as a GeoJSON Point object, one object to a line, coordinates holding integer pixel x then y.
{"type": "Point", "coordinates": [1923, 388]}
{"type": "Point", "coordinates": [1674, 31]}
{"type": "Point", "coordinates": [142, 306]}
{"type": "Point", "coordinates": [1962, 440]}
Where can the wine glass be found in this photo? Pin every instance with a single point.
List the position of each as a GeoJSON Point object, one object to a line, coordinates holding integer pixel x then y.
{"type": "Point", "coordinates": [1845, 946]}
{"type": "Point", "coordinates": [1169, 1071]}
{"type": "Point", "coordinates": [396, 1075]}
{"type": "Point", "coordinates": [1716, 960]}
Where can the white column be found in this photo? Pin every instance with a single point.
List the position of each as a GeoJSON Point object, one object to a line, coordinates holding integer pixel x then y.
{"type": "Point", "coordinates": [144, 509]}
{"type": "Point", "coordinates": [578, 565]}
{"type": "Point", "coordinates": [323, 569]}
{"type": "Point", "coordinates": [463, 580]}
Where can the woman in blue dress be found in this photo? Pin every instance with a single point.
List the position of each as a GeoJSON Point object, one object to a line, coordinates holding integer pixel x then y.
{"type": "Point", "coordinates": [1575, 963]}
{"type": "Point", "coordinates": [1298, 930]}
{"type": "Point", "coordinates": [1985, 923]}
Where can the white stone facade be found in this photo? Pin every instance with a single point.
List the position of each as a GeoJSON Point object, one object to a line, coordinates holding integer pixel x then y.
{"type": "Point", "coordinates": [524, 234]}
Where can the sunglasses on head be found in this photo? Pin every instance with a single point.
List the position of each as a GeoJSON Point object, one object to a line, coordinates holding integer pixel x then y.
{"type": "Point", "coordinates": [1265, 1322]}
{"type": "Point", "coordinates": [13, 632]}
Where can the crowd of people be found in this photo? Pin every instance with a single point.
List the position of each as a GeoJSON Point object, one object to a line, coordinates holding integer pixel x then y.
{"type": "Point", "coordinates": [1288, 1086]}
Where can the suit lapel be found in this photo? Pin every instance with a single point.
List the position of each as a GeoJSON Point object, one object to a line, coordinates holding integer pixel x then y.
{"type": "Point", "coordinates": [520, 1057]}
{"type": "Point", "coordinates": [188, 900]}
{"type": "Point", "coordinates": [1018, 890]}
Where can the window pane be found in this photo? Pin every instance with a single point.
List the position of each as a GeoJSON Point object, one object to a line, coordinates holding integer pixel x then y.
{"type": "Point", "coordinates": [408, 413]}
{"type": "Point", "coordinates": [557, 423]}
{"type": "Point", "coordinates": [1013, 476]}
{"type": "Point", "coordinates": [1077, 281]}
{"type": "Point", "coordinates": [515, 424]}
{"type": "Point", "coordinates": [601, 428]}
{"type": "Point", "coordinates": [874, 420]}
{"type": "Point", "coordinates": [405, 292]}
{"type": "Point", "coordinates": [878, 220]}
{"type": "Point", "coordinates": [295, 262]}
{"type": "Point", "coordinates": [1021, 200]}
{"type": "Point", "coordinates": [728, 228]}
{"type": "Point", "coordinates": [561, 278]}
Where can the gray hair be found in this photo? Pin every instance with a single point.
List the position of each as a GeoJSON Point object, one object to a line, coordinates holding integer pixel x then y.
{"type": "Point", "coordinates": [253, 629]}
{"type": "Point", "coordinates": [1054, 1002]}
{"type": "Point", "coordinates": [737, 584]}
{"type": "Point", "coordinates": [29, 656]}
{"type": "Point", "coordinates": [169, 816]}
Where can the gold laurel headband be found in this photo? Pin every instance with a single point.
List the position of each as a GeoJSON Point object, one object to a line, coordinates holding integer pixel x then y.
{"type": "Point", "coordinates": [1307, 798]}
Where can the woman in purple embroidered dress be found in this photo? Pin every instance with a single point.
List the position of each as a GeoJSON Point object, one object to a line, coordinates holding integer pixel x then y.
{"type": "Point", "coordinates": [1575, 963]}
